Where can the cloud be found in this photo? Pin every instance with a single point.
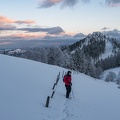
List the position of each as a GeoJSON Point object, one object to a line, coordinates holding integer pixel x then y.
{"type": "Point", "coordinates": [7, 24]}
{"type": "Point", "coordinates": [58, 37]}
{"type": "Point", "coordinates": [112, 3]}
{"type": "Point", "coordinates": [48, 3]}
{"type": "Point", "coordinates": [6, 27]}
{"type": "Point", "coordinates": [105, 28]}
{"type": "Point", "coordinates": [64, 3]}
{"type": "Point", "coordinates": [25, 22]}
{"type": "Point", "coordinates": [115, 33]}
{"type": "Point", "coordinates": [71, 3]}
{"type": "Point", "coordinates": [86, 1]}
{"type": "Point", "coordinates": [52, 30]}
{"type": "Point", "coordinates": [5, 20]}
{"type": "Point", "coordinates": [55, 30]}
{"type": "Point", "coordinates": [19, 43]}
{"type": "Point", "coordinates": [78, 35]}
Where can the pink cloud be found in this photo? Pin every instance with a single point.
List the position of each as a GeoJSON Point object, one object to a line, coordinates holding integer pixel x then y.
{"type": "Point", "coordinates": [28, 35]}
{"type": "Point", "coordinates": [4, 19]}
{"type": "Point", "coordinates": [25, 22]}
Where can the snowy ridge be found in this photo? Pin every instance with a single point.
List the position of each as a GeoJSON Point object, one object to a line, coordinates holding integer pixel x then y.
{"type": "Point", "coordinates": [98, 36]}
{"type": "Point", "coordinates": [25, 85]}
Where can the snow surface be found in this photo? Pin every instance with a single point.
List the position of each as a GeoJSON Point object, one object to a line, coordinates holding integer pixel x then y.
{"type": "Point", "coordinates": [25, 85]}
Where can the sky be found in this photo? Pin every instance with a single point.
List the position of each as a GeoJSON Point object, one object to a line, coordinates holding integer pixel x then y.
{"type": "Point", "coordinates": [43, 20]}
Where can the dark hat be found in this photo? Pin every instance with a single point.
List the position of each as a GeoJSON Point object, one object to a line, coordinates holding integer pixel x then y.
{"type": "Point", "coordinates": [69, 73]}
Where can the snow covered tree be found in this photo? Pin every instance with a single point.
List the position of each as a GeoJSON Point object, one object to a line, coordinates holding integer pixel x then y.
{"type": "Point", "coordinates": [53, 56]}
{"type": "Point", "coordinates": [57, 57]}
{"type": "Point", "coordinates": [78, 59]}
{"type": "Point", "coordinates": [43, 55]}
{"type": "Point", "coordinates": [66, 60]}
{"type": "Point", "coordinates": [118, 78]}
{"type": "Point", "coordinates": [85, 64]}
{"type": "Point", "coordinates": [110, 77]}
{"type": "Point", "coordinates": [98, 72]}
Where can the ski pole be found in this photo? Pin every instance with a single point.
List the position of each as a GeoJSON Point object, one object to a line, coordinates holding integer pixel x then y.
{"type": "Point", "coordinates": [72, 93]}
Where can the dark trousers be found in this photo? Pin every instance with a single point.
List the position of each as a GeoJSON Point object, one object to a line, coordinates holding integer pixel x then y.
{"type": "Point", "coordinates": [68, 90]}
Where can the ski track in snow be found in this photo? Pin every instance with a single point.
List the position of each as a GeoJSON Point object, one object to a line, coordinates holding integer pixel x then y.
{"type": "Point", "coordinates": [65, 109]}
{"type": "Point", "coordinates": [68, 106]}
{"type": "Point", "coordinates": [65, 112]}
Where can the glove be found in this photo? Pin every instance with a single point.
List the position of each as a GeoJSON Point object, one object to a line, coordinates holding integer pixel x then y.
{"type": "Point", "coordinates": [70, 83]}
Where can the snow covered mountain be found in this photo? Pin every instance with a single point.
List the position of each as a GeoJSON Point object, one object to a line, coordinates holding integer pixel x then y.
{"type": "Point", "coordinates": [97, 45]}
{"type": "Point", "coordinates": [25, 85]}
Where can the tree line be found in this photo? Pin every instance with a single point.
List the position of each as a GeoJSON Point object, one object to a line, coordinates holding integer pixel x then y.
{"type": "Point", "coordinates": [56, 56]}
{"type": "Point", "coordinates": [83, 56]}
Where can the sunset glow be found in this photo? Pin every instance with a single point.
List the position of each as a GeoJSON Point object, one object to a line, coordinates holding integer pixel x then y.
{"type": "Point", "coordinates": [57, 19]}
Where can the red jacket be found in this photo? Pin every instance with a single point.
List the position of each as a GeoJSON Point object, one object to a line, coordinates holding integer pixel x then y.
{"type": "Point", "coordinates": [67, 80]}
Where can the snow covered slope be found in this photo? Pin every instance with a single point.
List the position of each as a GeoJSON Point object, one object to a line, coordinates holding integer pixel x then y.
{"type": "Point", "coordinates": [25, 85]}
